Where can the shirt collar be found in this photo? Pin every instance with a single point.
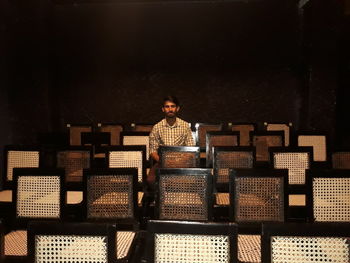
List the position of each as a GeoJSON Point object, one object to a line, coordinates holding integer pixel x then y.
{"type": "Point", "coordinates": [165, 123]}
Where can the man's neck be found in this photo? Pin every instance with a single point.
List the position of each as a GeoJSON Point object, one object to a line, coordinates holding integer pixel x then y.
{"type": "Point", "coordinates": [170, 121]}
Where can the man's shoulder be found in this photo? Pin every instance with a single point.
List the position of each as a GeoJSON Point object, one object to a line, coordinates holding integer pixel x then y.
{"type": "Point", "coordinates": [158, 124]}
{"type": "Point", "coordinates": [182, 122]}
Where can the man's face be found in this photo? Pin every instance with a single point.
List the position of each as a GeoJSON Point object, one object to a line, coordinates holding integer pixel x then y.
{"type": "Point", "coordinates": [170, 109]}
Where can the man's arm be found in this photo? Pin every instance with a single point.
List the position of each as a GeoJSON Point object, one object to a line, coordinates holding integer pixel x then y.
{"type": "Point", "coordinates": [189, 138]}
{"type": "Point", "coordinates": [153, 145]}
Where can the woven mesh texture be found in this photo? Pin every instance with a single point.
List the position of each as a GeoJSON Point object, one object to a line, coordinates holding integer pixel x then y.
{"type": "Point", "coordinates": [309, 249]}
{"type": "Point", "coordinates": [225, 160]}
{"type": "Point", "coordinates": [127, 159]}
{"type": "Point", "coordinates": [110, 196]}
{"type": "Point", "coordinates": [222, 199]}
{"type": "Point", "coordinates": [73, 162]}
{"type": "Point", "coordinates": [341, 160]}
{"type": "Point", "coordinates": [296, 163]}
{"type": "Point", "coordinates": [73, 249]}
{"type": "Point", "coordinates": [259, 199]}
{"type": "Point", "coordinates": [220, 140]}
{"type": "Point", "coordinates": [331, 199]}
{"type": "Point", "coordinates": [115, 131]}
{"type": "Point", "coordinates": [249, 248]}
{"type": "Point", "coordinates": [262, 144]}
{"type": "Point", "coordinates": [21, 159]}
{"type": "Point", "coordinates": [318, 142]}
{"type": "Point", "coordinates": [202, 133]}
{"type": "Point", "coordinates": [143, 127]}
{"type": "Point", "coordinates": [137, 140]}
{"type": "Point", "coordinates": [183, 197]}
{"type": "Point", "coordinates": [16, 243]}
{"type": "Point", "coordinates": [38, 197]}
{"type": "Point", "coordinates": [191, 248]}
{"type": "Point", "coordinates": [280, 127]}
{"type": "Point", "coordinates": [178, 159]}
{"type": "Point", "coordinates": [124, 241]}
{"type": "Point", "coordinates": [244, 129]}
{"type": "Point", "coordinates": [75, 134]}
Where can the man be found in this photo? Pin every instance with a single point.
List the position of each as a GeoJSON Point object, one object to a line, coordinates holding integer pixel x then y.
{"type": "Point", "coordinates": [171, 131]}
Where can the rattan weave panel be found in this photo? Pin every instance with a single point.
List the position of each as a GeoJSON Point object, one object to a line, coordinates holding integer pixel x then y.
{"type": "Point", "coordinates": [262, 144]}
{"type": "Point", "coordinates": [233, 159]}
{"type": "Point", "coordinates": [178, 159]}
{"type": "Point", "coordinates": [221, 140]}
{"type": "Point", "coordinates": [75, 134]}
{"type": "Point", "coordinates": [222, 199]}
{"type": "Point", "coordinates": [249, 248]}
{"type": "Point", "coordinates": [171, 248]}
{"type": "Point", "coordinates": [296, 163]}
{"type": "Point", "coordinates": [331, 199]}
{"type": "Point", "coordinates": [244, 133]}
{"type": "Point", "coordinates": [259, 199]}
{"type": "Point", "coordinates": [115, 131]}
{"type": "Point", "coordinates": [183, 197]}
{"type": "Point", "coordinates": [110, 196]}
{"type": "Point", "coordinates": [16, 243]}
{"type": "Point", "coordinates": [38, 197]}
{"type": "Point", "coordinates": [341, 160]}
{"type": "Point", "coordinates": [280, 127]}
{"type": "Point", "coordinates": [127, 159]}
{"type": "Point", "coordinates": [21, 159]}
{"type": "Point", "coordinates": [73, 162]}
{"type": "Point", "coordinates": [309, 249]}
{"type": "Point", "coordinates": [318, 142]}
{"type": "Point", "coordinates": [202, 133]}
{"type": "Point", "coordinates": [124, 241]}
{"type": "Point", "coordinates": [74, 248]}
{"type": "Point", "coordinates": [137, 140]}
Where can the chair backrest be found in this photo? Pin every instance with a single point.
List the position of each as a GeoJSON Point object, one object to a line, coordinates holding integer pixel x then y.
{"type": "Point", "coordinates": [114, 130]}
{"type": "Point", "coordinates": [75, 131]}
{"type": "Point", "coordinates": [73, 160]}
{"type": "Point", "coordinates": [258, 195]}
{"type": "Point", "coordinates": [285, 127]}
{"type": "Point", "coordinates": [296, 160]}
{"type": "Point", "coordinates": [302, 242]}
{"type": "Point", "coordinates": [263, 140]}
{"type": "Point", "coordinates": [110, 194]}
{"type": "Point", "coordinates": [341, 160]}
{"type": "Point", "coordinates": [139, 127]}
{"type": "Point", "coordinates": [136, 138]}
{"type": "Point", "coordinates": [195, 242]}
{"type": "Point", "coordinates": [329, 193]}
{"type": "Point", "coordinates": [319, 144]}
{"type": "Point", "coordinates": [184, 194]}
{"type": "Point", "coordinates": [128, 157]}
{"type": "Point", "coordinates": [38, 194]}
{"type": "Point", "coordinates": [244, 130]}
{"type": "Point", "coordinates": [19, 157]}
{"type": "Point", "coordinates": [221, 138]}
{"type": "Point", "coordinates": [71, 242]}
{"type": "Point", "coordinates": [179, 156]}
{"type": "Point", "coordinates": [201, 131]}
{"type": "Point", "coordinates": [230, 157]}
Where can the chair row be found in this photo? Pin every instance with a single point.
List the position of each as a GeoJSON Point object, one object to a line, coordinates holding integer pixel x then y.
{"type": "Point", "coordinates": [176, 241]}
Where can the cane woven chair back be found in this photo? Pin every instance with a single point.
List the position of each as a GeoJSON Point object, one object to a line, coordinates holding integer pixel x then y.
{"type": "Point", "coordinates": [201, 131]}
{"type": "Point", "coordinates": [136, 138]}
{"type": "Point", "coordinates": [244, 133]}
{"type": "Point", "coordinates": [192, 242]}
{"type": "Point", "coordinates": [75, 133]}
{"type": "Point", "coordinates": [179, 156]}
{"type": "Point", "coordinates": [184, 194]}
{"type": "Point", "coordinates": [341, 160]}
{"type": "Point", "coordinates": [319, 144]}
{"type": "Point", "coordinates": [114, 130]}
{"type": "Point", "coordinates": [262, 142]}
{"type": "Point", "coordinates": [258, 195]}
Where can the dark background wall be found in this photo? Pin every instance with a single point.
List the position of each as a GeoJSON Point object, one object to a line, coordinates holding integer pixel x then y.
{"type": "Point", "coordinates": [243, 61]}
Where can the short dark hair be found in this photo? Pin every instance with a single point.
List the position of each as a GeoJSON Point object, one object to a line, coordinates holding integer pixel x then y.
{"type": "Point", "coordinates": [172, 99]}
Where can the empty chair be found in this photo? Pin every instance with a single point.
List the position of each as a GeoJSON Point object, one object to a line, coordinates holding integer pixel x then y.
{"type": "Point", "coordinates": [244, 130]}
{"type": "Point", "coordinates": [179, 156]}
{"type": "Point", "coordinates": [301, 243]}
{"type": "Point", "coordinates": [195, 242]}
{"type": "Point", "coordinates": [285, 127]}
{"type": "Point", "coordinates": [73, 160]}
{"type": "Point", "coordinates": [75, 131]}
{"type": "Point", "coordinates": [184, 194]}
{"type": "Point", "coordinates": [318, 142]}
{"type": "Point", "coordinates": [19, 157]}
{"type": "Point", "coordinates": [201, 131]}
{"type": "Point", "coordinates": [136, 138]}
{"type": "Point", "coordinates": [72, 242]}
{"type": "Point", "coordinates": [263, 140]}
{"type": "Point", "coordinates": [329, 192]}
{"type": "Point", "coordinates": [221, 138]}
{"type": "Point", "coordinates": [113, 129]}
{"type": "Point", "coordinates": [341, 160]}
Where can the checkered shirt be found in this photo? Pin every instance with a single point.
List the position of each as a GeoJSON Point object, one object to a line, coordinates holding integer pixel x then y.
{"type": "Point", "coordinates": [163, 134]}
